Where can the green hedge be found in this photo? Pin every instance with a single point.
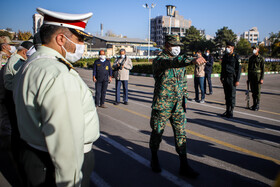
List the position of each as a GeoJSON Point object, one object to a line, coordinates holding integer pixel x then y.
{"type": "Point", "coordinates": [142, 66]}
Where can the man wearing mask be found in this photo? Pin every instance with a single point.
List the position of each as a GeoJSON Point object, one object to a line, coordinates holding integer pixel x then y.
{"type": "Point", "coordinates": [102, 75]}
{"type": "Point", "coordinates": [199, 80]}
{"type": "Point", "coordinates": [230, 75]}
{"type": "Point", "coordinates": [6, 50]}
{"type": "Point", "coordinates": [122, 65]}
{"type": "Point", "coordinates": [57, 118]}
{"type": "Point", "coordinates": [10, 70]}
{"type": "Point", "coordinates": [255, 76]}
{"type": "Point", "coordinates": [169, 101]}
{"type": "Point", "coordinates": [208, 70]}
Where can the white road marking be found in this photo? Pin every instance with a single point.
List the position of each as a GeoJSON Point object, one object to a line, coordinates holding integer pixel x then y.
{"type": "Point", "coordinates": [98, 181]}
{"type": "Point", "coordinates": [176, 180]}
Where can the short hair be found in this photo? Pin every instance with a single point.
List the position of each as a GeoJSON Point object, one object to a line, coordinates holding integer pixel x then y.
{"type": "Point", "coordinates": [1, 46]}
{"type": "Point", "coordinates": [199, 51]}
{"type": "Point", "coordinates": [122, 50]}
{"type": "Point", "coordinates": [47, 32]}
{"type": "Point", "coordinates": [100, 51]}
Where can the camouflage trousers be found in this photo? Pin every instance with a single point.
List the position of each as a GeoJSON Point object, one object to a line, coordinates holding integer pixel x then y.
{"type": "Point", "coordinates": [177, 119]}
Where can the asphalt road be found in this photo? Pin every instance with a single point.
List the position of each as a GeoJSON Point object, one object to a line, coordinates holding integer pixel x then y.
{"type": "Point", "coordinates": [243, 151]}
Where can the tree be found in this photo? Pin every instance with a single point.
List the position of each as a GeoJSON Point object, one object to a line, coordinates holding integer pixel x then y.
{"type": "Point", "coordinates": [223, 35]}
{"type": "Point", "coordinates": [263, 50]}
{"type": "Point", "coordinates": [191, 39]}
{"type": "Point", "coordinates": [24, 35]}
{"type": "Point", "coordinates": [243, 47]}
{"type": "Point", "coordinates": [275, 44]}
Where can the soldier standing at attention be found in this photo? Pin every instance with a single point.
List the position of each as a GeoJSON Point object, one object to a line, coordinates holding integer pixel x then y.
{"type": "Point", "coordinates": [255, 76]}
{"type": "Point", "coordinates": [168, 101]}
{"type": "Point", "coordinates": [102, 75]}
{"type": "Point", "coordinates": [57, 118]}
{"type": "Point", "coordinates": [230, 75]}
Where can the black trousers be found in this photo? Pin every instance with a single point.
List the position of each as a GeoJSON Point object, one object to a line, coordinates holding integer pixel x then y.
{"type": "Point", "coordinates": [229, 90]}
{"type": "Point", "coordinates": [40, 171]}
{"type": "Point", "coordinates": [208, 79]}
{"type": "Point", "coordinates": [100, 92]}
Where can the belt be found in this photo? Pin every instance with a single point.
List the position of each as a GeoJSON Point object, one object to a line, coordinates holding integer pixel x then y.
{"type": "Point", "coordinates": [87, 147]}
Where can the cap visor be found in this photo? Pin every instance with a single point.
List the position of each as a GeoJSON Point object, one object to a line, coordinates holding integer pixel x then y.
{"type": "Point", "coordinates": [81, 33]}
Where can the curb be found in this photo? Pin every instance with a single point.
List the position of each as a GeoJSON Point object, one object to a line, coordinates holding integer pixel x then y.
{"type": "Point", "coordinates": [192, 76]}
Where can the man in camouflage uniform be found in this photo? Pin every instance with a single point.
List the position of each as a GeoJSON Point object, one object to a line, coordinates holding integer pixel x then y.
{"type": "Point", "coordinates": [230, 75]}
{"type": "Point", "coordinates": [169, 101]}
{"type": "Point", "coordinates": [255, 76]}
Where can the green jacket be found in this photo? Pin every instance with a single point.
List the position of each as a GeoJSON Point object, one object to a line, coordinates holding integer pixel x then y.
{"type": "Point", "coordinates": [11, 68]}
{"type": "Point", "coordinates": [170, 80]}
{"type": "Point", "coordinates": [256, 66]}
{"type": "Point", "coordinates": [56, 112]}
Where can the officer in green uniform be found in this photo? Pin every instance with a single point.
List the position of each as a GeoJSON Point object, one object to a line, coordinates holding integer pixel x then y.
{"type": "Point", "coordinates": [169, 101]}
{"type": "Point", "coordinates": [230, 75]}
{"type": "Point", "coordinates": [57, 118]}
{"type": "Point", "coordinates": [255, 76]}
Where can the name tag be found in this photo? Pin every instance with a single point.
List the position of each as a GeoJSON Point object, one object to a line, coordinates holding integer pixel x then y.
{"type": "Point", "coordinates": [98, 65]}
{"type": "Point", "coordinates": [107, 67]}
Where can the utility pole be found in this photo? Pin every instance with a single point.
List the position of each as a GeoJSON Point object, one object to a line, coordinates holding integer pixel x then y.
{"type": "Point", "coordinates": [149, 34]}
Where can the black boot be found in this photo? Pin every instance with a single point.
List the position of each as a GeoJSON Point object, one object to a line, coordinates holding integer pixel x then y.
{"type": "Point", "coordinates": [155, 163]}
{"type": "Point", "coordinates": [185, 168]}
{"type": "Point", "coordinates": [230, 113]}
{"type": "Point", "coordinates": [254, 104]}
{"type": "Point", "coordinates": [225, 114]}
{"type": "Point", "coordinates": [257, 107]}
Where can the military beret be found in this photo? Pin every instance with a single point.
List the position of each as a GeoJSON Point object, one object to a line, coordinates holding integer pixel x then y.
{"type": "Point", "coordinates": [229, 43]}
{"type": "Point", "coordinates": [26, 44]}
{"type": "Point", "coordinates": [75, 22]}
{"type": "Point", "coordinates": [173, 39]}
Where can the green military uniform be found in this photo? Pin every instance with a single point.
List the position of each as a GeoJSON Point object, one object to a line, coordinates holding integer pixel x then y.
{"type": "Point", "coordinates": [255, 75]}
{"type": "Point", "coordinates": [56, 112]}
{"type": "Point", "coordinates": [11, 68]}
{"type": "Point", "coordinates": [230, 74]}
{"type": "Point", "coordinates": [169, 96]}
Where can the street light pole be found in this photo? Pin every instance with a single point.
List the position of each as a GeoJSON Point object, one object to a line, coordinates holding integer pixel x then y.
{"type": "Point", "coordinates": [149, 34]}
{"type": "Point", "coordinates": [170, 12]}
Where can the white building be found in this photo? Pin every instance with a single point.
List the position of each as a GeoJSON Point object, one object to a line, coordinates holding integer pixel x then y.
{"type": "Point", "coordinates": [160, 27]}
{"type": "Point", "coordinates": [266, 42]}
{"type": "Point", "coordinates": [252, 35]}
{"type": "Point", "coordinates": [37, 22]}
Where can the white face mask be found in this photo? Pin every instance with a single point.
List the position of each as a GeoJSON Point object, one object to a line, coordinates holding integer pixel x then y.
{"type": "Point", "coordinates": [102, 58]}
{"type": "Point", "coordinates": [30, 51]}
{"type": "Point", "coordinates": [74, 57]}
{"type": "Point", "coordinates": [175, 51]}
{"type": "Point", "coordinates": [13, 49]}
{"type": "Point", "coordinates": [122, 56]}
{"type": "Point", "coordinates": [228, 50]}
{"type": "Point", "coordinates": [255, 51]}
{"type": "Point", "coordinates": [207, 54]}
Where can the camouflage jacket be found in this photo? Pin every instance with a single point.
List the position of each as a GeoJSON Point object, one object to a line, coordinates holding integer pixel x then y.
{"type": "Point", "coordinates": [170, 80]}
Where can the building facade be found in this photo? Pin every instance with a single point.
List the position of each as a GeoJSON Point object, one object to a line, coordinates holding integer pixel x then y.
{"type": "Point", "coordinates": [252, 35]}
{"type": "Point", "coordinates": [37, 22]}
{"type": "Point", "coordinates": [160, 27]}
{"type": "Point", "coordinates": [112, 45]}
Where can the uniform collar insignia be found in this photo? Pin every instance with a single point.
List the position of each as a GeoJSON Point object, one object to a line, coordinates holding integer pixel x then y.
{"type": "Point", "coordinates": [68, 65]}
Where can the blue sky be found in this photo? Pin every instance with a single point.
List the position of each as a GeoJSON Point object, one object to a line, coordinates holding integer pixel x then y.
{"type": "Point", "coordinates": [129, 18]}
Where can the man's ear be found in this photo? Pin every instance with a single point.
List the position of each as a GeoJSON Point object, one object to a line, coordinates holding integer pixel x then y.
{"type": "Point", "coordinates": [60, 39]}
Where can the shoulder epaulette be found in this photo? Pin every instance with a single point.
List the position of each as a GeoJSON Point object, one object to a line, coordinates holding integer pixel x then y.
{"type": "Point", "coordinates": [67, 64]}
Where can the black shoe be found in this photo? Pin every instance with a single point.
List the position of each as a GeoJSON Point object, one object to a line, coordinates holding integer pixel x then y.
{"type": "Point", "coordinates": [116, 103]}
{"type": "Point", "coordinates": [188, 172]}
{"type": "Point", "coordinates": [155, 166]}
{"type": "Point", "coordinates": [126, 103]}
{"type": "Point", "coordinates": [256, 108]}
{"type": "Point", "coordinates": [155, 163]}
{"type": "Point", "coordinates": [229, 115]}
{"type": "Point", "coordinates": [224, 114]}
{"type": "Point", "coordinates": [211, 93]}
{"type": "Point", "coordinates": [103, 106]}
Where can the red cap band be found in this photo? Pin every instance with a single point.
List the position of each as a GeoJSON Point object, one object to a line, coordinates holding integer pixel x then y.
{"type": "Point", "coordinates": [77, 23]}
